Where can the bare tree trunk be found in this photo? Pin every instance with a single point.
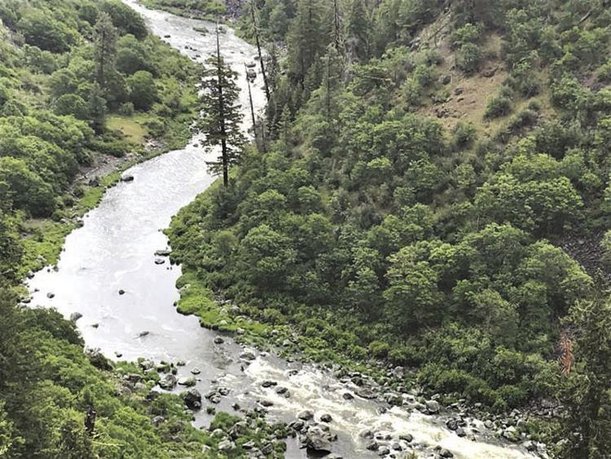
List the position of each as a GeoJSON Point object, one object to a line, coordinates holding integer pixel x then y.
{"type": "Point", "coordinates": [263, 73]}
{"type": "Point", "coordinates": [219, 80]}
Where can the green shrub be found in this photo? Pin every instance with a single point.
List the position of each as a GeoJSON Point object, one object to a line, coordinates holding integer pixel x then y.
{"type": "Point", "coordinates": [469, 58]}
{"type": "Point", "coordinates": [497, 107]}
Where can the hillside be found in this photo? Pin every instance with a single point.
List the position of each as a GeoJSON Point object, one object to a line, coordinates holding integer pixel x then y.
{"type": "Point", "coordinates": [435, 195]}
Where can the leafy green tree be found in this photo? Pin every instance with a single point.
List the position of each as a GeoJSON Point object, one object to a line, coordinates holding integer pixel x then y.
{"type": "Point", "coordinates": [27, 190]}
{"type": "Point", "coordinates": [143, 90]}
{"type": "Point", "coordinates": [40, 28]}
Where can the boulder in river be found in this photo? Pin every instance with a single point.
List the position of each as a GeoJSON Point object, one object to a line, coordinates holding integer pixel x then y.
{"type": "Point", "coordinates": [196, 371]}
{"type": "Point", "coordinates": [366, 393]}
{"type": "Point", "coordinates": [159, 261]}
{"type": "Point", "coordinates": [193, 399]}
{"type": "Point", "coordinates": [248, 355]}
{"type": "Point", "coordinates": [326, 417]}
{"type": "Point", "coordinates": [187, 381]}
{"type": "Point", "coordinates": [50, 295]}
{"type": "Point", "coordinates": [121, 292]}
{"type": "Point", "coordinates": [306, 415]}
{"type": "Point", "coordinates": [127, 178]}
{"type": "Point", "coordinates": [316, 441]}
{"type": "Point", "coordinates": [218, 340]}
{"type": "Point", "coordinates": [432, 406]}
{"type": "Point", "coordinates": [75, 316]}
{"type": "Point", "coordinates": [163, 253]}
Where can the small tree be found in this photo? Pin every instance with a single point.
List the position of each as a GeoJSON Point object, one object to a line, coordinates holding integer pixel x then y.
{"type": "Point", "coordinates": [221, 113]}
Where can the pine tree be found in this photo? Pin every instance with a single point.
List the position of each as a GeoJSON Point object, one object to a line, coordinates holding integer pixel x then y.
{"type": "Point", "coordinates": [587, 396]}
{"type": "Point", "coordinates": [358, 29]}
{"type": "Point", "coordinates": [222, 117]}
{"type": "Point", "coordinates": [306, 39]}
{"type": "Point", "coordinates": [105, 48]}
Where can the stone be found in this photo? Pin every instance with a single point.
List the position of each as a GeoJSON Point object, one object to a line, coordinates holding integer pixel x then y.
{"type": "Point", "coordinates": [366, 393]}
{"type": "Point", "coordinates": [127, 178]}
{"type": "Point", "coordinates": [188, 381]}
{"type": "Point", "coordinates": [458, 91]}
{"type": "Point", "coordinates": [158, 420]}
{"type": "Point", "coordinates": [445, 79]}
{"type": "Point", "coordinates": [159, 261]}
{"type": "Point", "coordinates": [75, 316]}
{"type": "Point", "coordinates": [305, 415]}
{"type": "Point", "coordinates": [193, 399]}
{"type": "Point", "coordinates": [511, 434]}
{"type": "Point", "coordinates": [225, 446]}
{"type": "Point", "coordinates": [50, 295]}
{"type": "Point", "coordinates": [266, 403]}
{"type": "Point", "coordinates": [445, 453]}
{"type": "Point", "coordinates": [268, 383]}
{"type": "Point", "coordinates": [396, 446]}
{"type": "Point", "coordinates": [281, 390]}
{"type": "Point", "coordinates": [489, 72]}
{"type": "Point", "coordinates": [168, 382]}
{"type": "Point", "coordinates": [406, 437]}
{"type": "Point", "coordinates": [372, 445]}
{"type": "Point", "coordinates": [461, 432]}
{"type": "Point", "coordinates": [316, 440]}
{"type": "Point", "coordinates": [143, 333]}
{"type": "Point", "coordinates": [121, 292]}
{"type": "Point", "coordinates": [452, 424]}
{"type": "Point", "coordinates": [248, 355]}
{"type": "Point", "coordinates": [432, 406]}
{"type": "Point", "coordinates": [163, 253]}
{"type": "Point", "coordinates": [326, 417]}
{"type": "Point", "coordinates": [195, 371]}
{"type": "Point", "coordinates": [347, 396]}
{"type": "Point", "coordinates": [249, 445]}
{"type": "Point", "coordinates": [218, 340]}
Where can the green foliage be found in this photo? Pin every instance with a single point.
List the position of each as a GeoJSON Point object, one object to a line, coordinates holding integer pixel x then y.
{"type": "Point", "coordinates": [375, 231]}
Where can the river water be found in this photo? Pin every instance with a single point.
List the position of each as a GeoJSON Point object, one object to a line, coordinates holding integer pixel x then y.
{"type": "Point", "coordinates": [115, 250]}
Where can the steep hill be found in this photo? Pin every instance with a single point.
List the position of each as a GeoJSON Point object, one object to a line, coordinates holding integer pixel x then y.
{"type": "Point", "coordinates": [430, 162]}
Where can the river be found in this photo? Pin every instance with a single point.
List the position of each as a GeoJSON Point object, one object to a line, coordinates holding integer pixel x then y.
{"type": "Point", "coordinates": [115, 250]}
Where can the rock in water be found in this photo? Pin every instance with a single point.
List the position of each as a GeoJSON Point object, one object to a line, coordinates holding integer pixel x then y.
{"type": "Point", "coordinates": [127, 178]}
{"type": "Point", "coordinates": [432, 406]}
{"type": "Point", "coordinates": [193, 399]}
{"type": "Point", "coordinates": [306, 415]}
{"type": "Point", "coordinates": [248, 355]}
{"type": "Point", "coordinates": [187, 381]}
{"type": "Point", "coordinates": [75, 316]}
{"type": "Point", "coordinates": [316, 441]}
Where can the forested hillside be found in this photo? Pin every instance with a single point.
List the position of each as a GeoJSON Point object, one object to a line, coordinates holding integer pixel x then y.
{"type": "Point", "coordinates": [435, 194]}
